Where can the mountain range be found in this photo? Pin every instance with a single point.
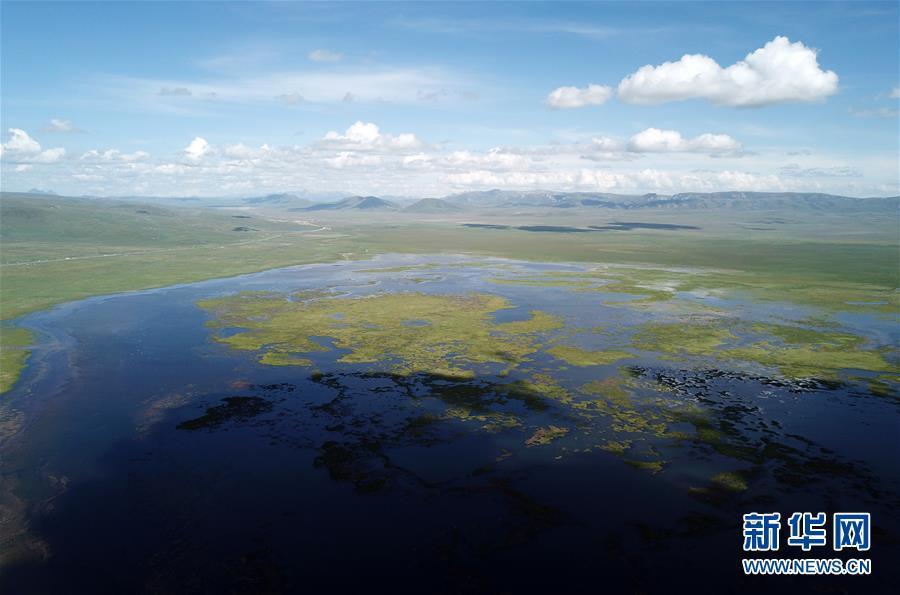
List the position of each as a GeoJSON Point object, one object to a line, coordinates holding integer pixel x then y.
{"type": "Point", "coordinates": [541, 199]}
{"type": "Point", "coordinates": [500, 199]}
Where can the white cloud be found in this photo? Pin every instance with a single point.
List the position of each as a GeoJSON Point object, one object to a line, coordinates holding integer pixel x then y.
{"type": "Point", "coordinates": [198, 149]}
{"type": "Point", "coordinates": [626, 182]}
{"type": "Point", "coordinates": [348, 159]}
{"type": "Point", "coordinates": [49, 156]}
{"type": "Point", "coordinates": [778, 72]}
{"type": "Point", "coordinates": [22, 148]}
{"type": "Point", "coordinates": [242, 151]}
{"type": "Point", "coordinates": [573, 97]}
{"type": "Point", "coordinates": [367, 136]}
{"type": "Point", "coordinates": [372, 84]}
{"type": "Point", "coordinates": [381, 163]}
{"type": "Point", "coordinates": [115, 155]}
{"type": "Point", "coordinates": [20, 142]}
{"type": "Point", "coordinates": [322, 55]}
{"type": "Point", "coordinates": [58, 125]}
{"type": "Point", "coordinates": [493, 159]}
{"type": "Point", "coordinates": [654, 140]}
{"type": "Point", "coordinates": [895, 93]}
{"type": "Point", "coordinates": [605, 143]}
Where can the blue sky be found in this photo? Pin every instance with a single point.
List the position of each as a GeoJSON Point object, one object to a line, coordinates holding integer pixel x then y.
{"type": "Point", "coordinates": [427, 99]}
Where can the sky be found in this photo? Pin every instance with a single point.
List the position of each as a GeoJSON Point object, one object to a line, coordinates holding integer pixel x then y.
{"type": "Point", "coordinates": [429, 99]}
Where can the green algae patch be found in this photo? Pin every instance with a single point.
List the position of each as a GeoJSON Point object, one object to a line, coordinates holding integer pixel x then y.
{"type": "Point", "coordinates": [732, 481]}
{"type": "Point", "coordinates": [583, 357]}
{"type": "Point", "coordinates": [617, 447]}
{"type": "Point", "coordinates": [681, 338]}
{"type": "Point", "coordinates": [799, 352]}
{"type": "Point", "coordinates": [536, 390]}
{"type": "Point", "coordinates": [651, 466]}
{"type": "Point", "coordinates": [410, 333]}
{"type": "Point", "coordinates": [543, 436]}
{"type": "Point", "coordinates": [612, 389]}
{"type": "Point", "coordinates": [538, 323]}
{"type": "Point", "coordinates": [14, 354]}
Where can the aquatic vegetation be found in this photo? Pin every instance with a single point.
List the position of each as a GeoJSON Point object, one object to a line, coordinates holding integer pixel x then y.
{"type": "Point", "coordinates": [682, 338]}
{"type": "Point", "coordinates": [535, 390]}
{"type": "Point", "coordinates": [450, 334]}
{"type": "Point", "coordinates": [546, 435]}
{"type": "Point", "coordinates": [584, 357]}
{"type": "Point", "coordinates": [651, 466]}
{"type": "Point", "coordinates": [801, 352]}
{"type": "Point", "coordinates": [13, 354]}
{"type": "Point", "coordinates": [616, 446]}
{"type": "Point", "coordinates": [730, 480]}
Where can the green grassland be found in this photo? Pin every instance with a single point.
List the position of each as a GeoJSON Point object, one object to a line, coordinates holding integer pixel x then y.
{"type": "Point", "coordinates": [55, 250]}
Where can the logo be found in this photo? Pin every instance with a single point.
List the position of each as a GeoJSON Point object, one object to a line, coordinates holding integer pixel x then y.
{"type": "Point", "coordinates": [851, 530]}
{"type": "Point", "coordinates": [761, 531]}
{"type": "Point", "coordinates": [806, 531]}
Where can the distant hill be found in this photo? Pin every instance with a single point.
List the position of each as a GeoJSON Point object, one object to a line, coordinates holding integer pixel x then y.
{"type": "Point", "coordinates": [431, 205]}
{"type": "Point", "coordinates": [498, 200]}
{"type": "Point", "coordinates": [280, 200]}
{"type": "Point", "coordinates": [693, 200]}
{"type": "Point", "coordinates": [355, 203]}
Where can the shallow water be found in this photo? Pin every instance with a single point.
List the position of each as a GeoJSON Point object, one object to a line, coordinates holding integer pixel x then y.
{"type": "Point", "coordinates": [153, 458]}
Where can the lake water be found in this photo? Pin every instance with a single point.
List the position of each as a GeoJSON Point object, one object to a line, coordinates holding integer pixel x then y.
{"type": "Point", "coordinates": [153, 458]}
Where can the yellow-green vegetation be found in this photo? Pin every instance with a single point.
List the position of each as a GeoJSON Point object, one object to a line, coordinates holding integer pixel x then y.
{"type": "Point", "coordinates": [733, 481]}
{"type": "Point", "coordinates": [546, 435]}
{"type": "Point", "coordinates": [616, 446]}
{"type": "Point", "coordinates": [538, 387]}
{"type": "Point", "coordinates": [451, 333]}
{"type": "Point", "coordinates": [655, 284]}
{"type": "Point", "coordinates": [682, 338]}
{"type": "Point", "coordinates": [801, 353]}
{"type": "Point", "coordinates": [651, 466]}
{"type": "Point", "coordinates": [13, 354]}
{"type": "Point", "coordinates": [584, 357]}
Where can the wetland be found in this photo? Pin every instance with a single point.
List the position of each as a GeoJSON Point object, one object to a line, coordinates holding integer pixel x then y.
{"type": "Point", "coordinates": [464, 423]}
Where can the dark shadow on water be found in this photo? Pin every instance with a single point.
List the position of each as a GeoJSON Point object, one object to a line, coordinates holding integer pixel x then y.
{"type": "Point", "coordinates": [375, 482]}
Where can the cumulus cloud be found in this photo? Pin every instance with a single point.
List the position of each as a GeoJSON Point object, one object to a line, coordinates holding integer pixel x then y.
{"type": "Point", "coordinates": [653, 160]}
{"type": "Point", "coordinates": [493, 159]}
{"type": "Point", "coordinates": [573, 97]}
{"type": "Point", "coordinates": [49, 156]}
{"type": "Point", "coordinates": [59, 125]}
{"type": "Point", "coordinates": [654, 140]}
{"type": "Point", "coordinates": [608, 181]}
{"type": "Point", "coordinates": [20, 142]}
{"type": "Point", "coordinates": [198, 149]}
{"type": "Point", "coordinates": [349, 159]}
{"type": "Point", "coordinates": [21, 147]}
{"type": "Point", "coordinates": [322, 55]}
{"type": "Point", "coordinates": [114, 155]}
{"type": "Point", "coordinates": [778, 72]}
{"type": "Point", "coordinates": [242, 151]}
{"type": "Point", "coordinates": [367, 136]}
{"type": "Point", "coordinates": [895, 93]}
